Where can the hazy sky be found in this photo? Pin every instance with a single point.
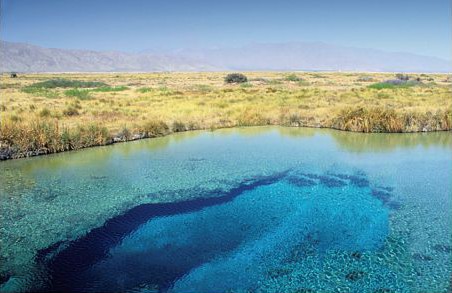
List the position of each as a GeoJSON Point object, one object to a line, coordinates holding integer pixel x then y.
{"type": "Point", "coordinates": [417, 26]}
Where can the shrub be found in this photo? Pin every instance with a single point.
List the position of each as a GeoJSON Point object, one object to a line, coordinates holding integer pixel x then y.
{"type": "Point", "coordinates": [90, 135]}
{"type": "Point", "coordinates": [178, 126]}
{"type": "Point", "coordinates": [401, 76]}
{"type": "Point", "coordinates": [294, 119]}
{"type": "Point", "coordinates": [154, 129]}
{"type": "Point", "coordinates": [292, 77]}
{"type": "Point", "coordinates": [235, 78]}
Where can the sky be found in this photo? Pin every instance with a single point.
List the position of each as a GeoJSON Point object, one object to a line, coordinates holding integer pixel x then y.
{"type": "Point", "coordinates": [416, 26]}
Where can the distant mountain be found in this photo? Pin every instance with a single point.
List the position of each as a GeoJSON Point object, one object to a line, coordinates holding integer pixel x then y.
{"type": "Point", "coordinates": [284, 57]}
{"type": "Point", "coordinates": [317, 56]}
{"type": "Point", "coordinates": [29, 58]}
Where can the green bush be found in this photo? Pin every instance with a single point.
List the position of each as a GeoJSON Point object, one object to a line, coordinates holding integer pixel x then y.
{"type": "Point", "coordinates": [393, 84]}
{"type": "Point", "coordinates": [66, 83]}
{"type": "Point", "coordinates": [79, 94]}
{"type": "Point", "coordinates": [235, 78]}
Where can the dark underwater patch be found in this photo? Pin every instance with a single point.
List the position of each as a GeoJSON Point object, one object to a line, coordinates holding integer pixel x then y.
{"type": "Point", "coordinates": [331, 181]}
{"type": "Point", "coordinates": [422, 257]}
{"type": "Point", "coordinates": [443, 248]}
{"type": "Point", "coordinates": [311, 176]}
{"type": "Point", "coordinates": [4, 278]}
{"type": "Point", "coordinates": [382, 195]}
{"type": "Point", "coordinates": [386, 197]}
{"type": "Point", "coordinates": [356, 180]}
{"type": "Point", "coordinates": [355, 276]}
{"type": "Point", "coordinates": [69, 265]}
{"type": "Point", "coordinates": [300, 181]}
{"type": "Point", "coordinates": [66, 267]}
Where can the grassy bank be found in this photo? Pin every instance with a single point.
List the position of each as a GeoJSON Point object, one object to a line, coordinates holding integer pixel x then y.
{"type": "Point", "coordinates": [47, 113]}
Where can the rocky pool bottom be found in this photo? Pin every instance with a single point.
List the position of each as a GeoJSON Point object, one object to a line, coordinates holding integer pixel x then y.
{"type": "Point", "coordinates": [288, 232]}
{"type": "Point", "coordinates": [229, 213]}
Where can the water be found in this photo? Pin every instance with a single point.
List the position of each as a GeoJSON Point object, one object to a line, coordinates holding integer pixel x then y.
{"type": "Point", "coordinates": [263, 209]}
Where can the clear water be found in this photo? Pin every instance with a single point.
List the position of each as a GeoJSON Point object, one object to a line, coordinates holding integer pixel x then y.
{"type": "Point", "coordinates": [263, 209]}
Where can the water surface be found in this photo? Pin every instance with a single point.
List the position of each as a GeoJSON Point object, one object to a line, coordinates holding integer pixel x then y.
{"type": "Point", "coordinates": [265, 209]}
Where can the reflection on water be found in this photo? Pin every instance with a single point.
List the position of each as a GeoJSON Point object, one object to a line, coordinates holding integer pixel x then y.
{"type": "Point", "coordinates": [383, 142]}
{"type": "Point", "coordinates": [51, 203]}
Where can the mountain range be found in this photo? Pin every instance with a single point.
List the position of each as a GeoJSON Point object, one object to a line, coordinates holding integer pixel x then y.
{"type": "Point", "coordinates": [22, 57]}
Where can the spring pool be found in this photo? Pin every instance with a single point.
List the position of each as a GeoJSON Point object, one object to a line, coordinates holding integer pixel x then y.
{"type": "Point", "coordinates": [262, 209]}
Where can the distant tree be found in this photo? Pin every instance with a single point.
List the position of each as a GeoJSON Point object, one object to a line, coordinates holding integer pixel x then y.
{"type": "Point", "coordinates": [235, 78]}
{"type": "Point", "coordinates": [13, 75]}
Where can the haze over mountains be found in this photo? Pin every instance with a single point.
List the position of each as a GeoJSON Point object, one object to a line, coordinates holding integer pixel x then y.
{"type": "Point", "coordinates": [21, 57]}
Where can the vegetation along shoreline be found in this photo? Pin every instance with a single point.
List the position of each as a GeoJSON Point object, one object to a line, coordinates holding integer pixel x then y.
{"type": "Point", "coordinates": [85, 110]}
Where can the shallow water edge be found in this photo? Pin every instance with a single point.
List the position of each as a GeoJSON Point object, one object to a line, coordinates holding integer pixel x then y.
{"type": "Point", "coordinates": [9, 154]}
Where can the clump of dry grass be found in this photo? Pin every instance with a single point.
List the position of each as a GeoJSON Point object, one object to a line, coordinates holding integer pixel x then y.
{"type": "Point", "coordinates": [43, 136]}
{"type": "Point", "coordinates": [368, 120]}
{"type": "Point", "coordinates": [252, 117]}
{"type": "Point", "coordinates": [154, 129]}
{"type": "Point", "coordinates": [388, 120]}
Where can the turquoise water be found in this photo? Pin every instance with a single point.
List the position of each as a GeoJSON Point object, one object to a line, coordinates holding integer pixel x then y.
{"type": "Point", "coordinates": [263, 209]}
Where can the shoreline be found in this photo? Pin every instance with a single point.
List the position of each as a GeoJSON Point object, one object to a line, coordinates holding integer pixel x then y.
{"type": "Point", "coordinates": [47, 113]}
{"type": "Point", "coordinates": [7, 154]}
